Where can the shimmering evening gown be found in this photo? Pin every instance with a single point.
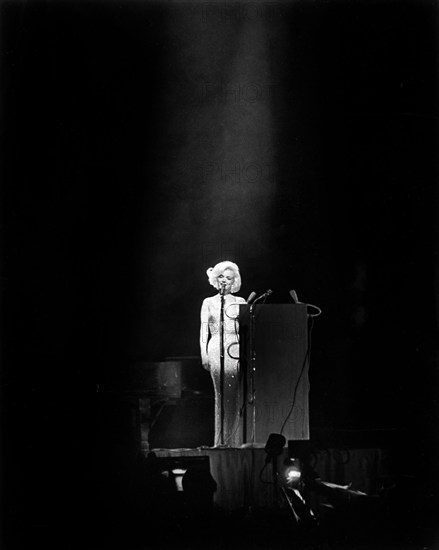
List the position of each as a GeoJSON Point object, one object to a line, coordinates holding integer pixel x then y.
{"type": "Point", "coordinates": [232, 402]}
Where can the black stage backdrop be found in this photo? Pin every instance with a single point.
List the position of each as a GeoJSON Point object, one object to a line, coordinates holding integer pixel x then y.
{"type": "Point", "coordinates": [144, 142]}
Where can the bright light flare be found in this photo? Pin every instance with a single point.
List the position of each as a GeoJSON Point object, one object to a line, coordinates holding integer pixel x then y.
{"type": "Point", "coordinates": [292, 473]}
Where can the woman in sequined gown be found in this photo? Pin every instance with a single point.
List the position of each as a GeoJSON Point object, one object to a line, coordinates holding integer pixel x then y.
{"type": "Point", "coordinates": [226, 279]}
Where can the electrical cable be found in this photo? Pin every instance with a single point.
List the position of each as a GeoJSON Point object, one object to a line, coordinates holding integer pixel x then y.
{"type": "Point", "coordinates": [233, 304]}
{"type": "Point", "coordinates": [236, 327]}
{"type": "Point", "coordinates": [315, 307]}
{"type": "Point", "coordinates": [260, 475]}
{"type": "Point", "coordinates": [305, 361]}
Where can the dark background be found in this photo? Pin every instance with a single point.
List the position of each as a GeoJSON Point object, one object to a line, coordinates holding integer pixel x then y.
{"type": "Point", "coordinates": [113, 210]}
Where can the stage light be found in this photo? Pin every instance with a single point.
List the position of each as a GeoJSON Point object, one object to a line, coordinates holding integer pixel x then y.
{"type": "Point", "coordinates": [291, 472]}
{"type": "Point", "coordinates": [274, 446]}
{"type": "Point", "coordinates": [293, 475]}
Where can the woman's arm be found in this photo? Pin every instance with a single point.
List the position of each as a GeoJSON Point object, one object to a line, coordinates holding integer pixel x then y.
{"type": "Point", "coordinates": [204, 334]}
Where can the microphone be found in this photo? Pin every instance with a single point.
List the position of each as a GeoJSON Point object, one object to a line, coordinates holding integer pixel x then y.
{"type": "Point", "coordinates": [222, 288]}
{"type": "Point", "coordinates": [251, 297]}
{"type": "Point", "coordinates": [267, 293]}
{"type": "Point", "coordinates": [293, 295]}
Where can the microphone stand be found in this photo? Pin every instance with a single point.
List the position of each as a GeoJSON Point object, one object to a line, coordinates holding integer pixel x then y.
{"type": "Point", "coordinates": [253, 361]}
{"type": "Point", "coordinates": [222, 365]}
{"type": "Point", "coordinates": [252, 371]}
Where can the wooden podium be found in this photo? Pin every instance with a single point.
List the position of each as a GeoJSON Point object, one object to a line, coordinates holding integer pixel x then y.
{"type": "Point", "coordinates": [274, 368]}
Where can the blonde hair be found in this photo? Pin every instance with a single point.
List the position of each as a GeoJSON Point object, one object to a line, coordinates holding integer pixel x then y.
{"type": "Point", "coordinates": [214, 272]}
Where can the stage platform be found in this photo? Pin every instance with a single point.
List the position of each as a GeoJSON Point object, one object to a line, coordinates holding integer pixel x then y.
{"type": "Point", "coordinates": [244, 482]}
